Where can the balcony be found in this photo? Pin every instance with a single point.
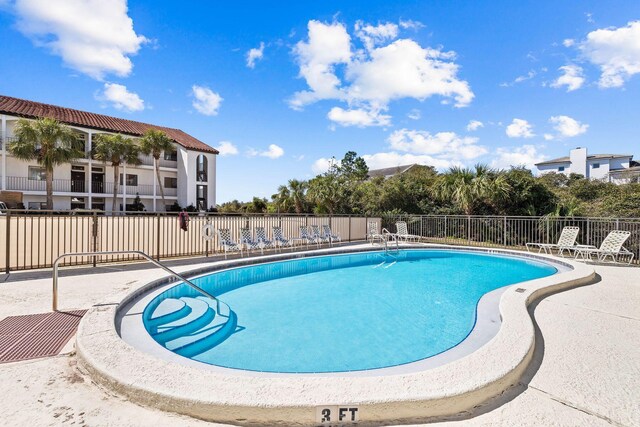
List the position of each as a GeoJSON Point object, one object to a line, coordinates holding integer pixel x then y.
{"type": "Point", "coordinates": [18, 183]}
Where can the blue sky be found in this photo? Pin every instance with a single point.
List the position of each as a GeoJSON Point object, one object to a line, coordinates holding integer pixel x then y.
{"type": "Point", "coordinates": [281, 88]}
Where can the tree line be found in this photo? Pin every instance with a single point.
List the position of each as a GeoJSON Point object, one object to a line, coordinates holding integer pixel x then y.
{"type": "Point", "coordinates": [347, 188]}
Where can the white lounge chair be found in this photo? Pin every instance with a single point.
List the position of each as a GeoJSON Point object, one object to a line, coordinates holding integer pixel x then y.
{"type": "Point", "coordinates": [306, 237]}
{"type": "Point", "coordinates": [402, 232]}
{"type": "Point", "coordinates": [224, 240]}
{"type": "Point", "coordinates": [373, 234]}
{"type": "Point", "coordinates": [611, 246]}
{"type": "Point", "coordinates": [329, 234]}
{"type": "Point", "coordinates": [279, 238]}
{"type": "Point", "coordinates": [261, 237]}
{"type": "Point", "coordinates": [566, 242]}
{"type": "Point", "coordinates": [247, 240]}
{"type": "Point", "coordinates": [320, 238]}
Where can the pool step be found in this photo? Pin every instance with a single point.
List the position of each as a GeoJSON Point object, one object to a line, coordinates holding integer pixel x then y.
{"type": "Point", "coordinates": [190, 326]}
{"type": "Point", "coordinates": [169, 310]}
{"type": "Point", "coordinates": [201, 314]}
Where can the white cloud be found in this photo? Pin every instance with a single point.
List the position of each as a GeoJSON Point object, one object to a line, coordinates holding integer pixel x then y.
{"type": "Point", "coordinates": [568, 127]}
{"type": "Point", "coordinates": [206, 101]}
{"type": "Point", "coordinates": [425, 72]}
{"type": "Point", "coordinates": [226, 148]}
{"type": "Point", "coordinates": [474, 125]}
{"type": "Point", "coordinates": [616, 51]}
{"type": "Point", "coordinates": [369, 77]}
{"type": "Point", "coordinates": [372, 36]}
{"type": "Point", "coordinates": [443, 144]}
{"type": "Point", "coordinates": [328, 45]}
{"type": "Point", "coordinates": [568, 42]}
{"type": "Point", "coordinates": [255, 54]}
{"type": "Point", "coordinates": [392, 159]}
{"type": "Point", "coordinates": [121, 98]}
{"type": "Point", "coordinates": [410, 24]}
{"type": "Point", "coordinates": [527, 156]}
{"type": "Point", "coordinates": [519, 128]}
{"type": "Point", "coordinates": [95, 37]}
{"type": "Point", "coordinates": [572, 78]}
{"type": "Point", "coordinates": [414, 114]}
{"type": "Point", "coordinates": [358, 117]}
{"type": "Point", "coordinates": [531, 74]}
{"type": "Point", "coordinates": [273, 152]}
{"type": "Point", "coordinates": [547, 137]}
{"type": "Point", "coordinates": [322, 165]}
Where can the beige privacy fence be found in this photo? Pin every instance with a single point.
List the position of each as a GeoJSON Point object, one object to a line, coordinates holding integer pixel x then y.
{"type": "Point", "coordinates": [30, 241]}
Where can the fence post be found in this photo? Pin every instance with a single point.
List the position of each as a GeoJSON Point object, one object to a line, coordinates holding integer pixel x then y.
{"type": "Point", "coordinates": [349, 228]}
{"type": "Point", "coordinates": [588, 232]}
{"type": "Point", "coordinates": [547, 221]}
{"type": "Point", "coordinates": [7, 268]}
{"type": "Point", "coordinates": [445, 229]}
{"type": "Point", "coordinates": [504, 234]}
{"type": "Point", "coordinates": [158, 236]}
{"type": "Point", "coordinates": [469, 230]}
{"type": "Point", "coordinates": [94, 235]}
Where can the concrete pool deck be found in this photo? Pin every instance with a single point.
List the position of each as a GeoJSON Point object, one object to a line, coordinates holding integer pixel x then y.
{"type": "Point", "coordinates": [585, 371]}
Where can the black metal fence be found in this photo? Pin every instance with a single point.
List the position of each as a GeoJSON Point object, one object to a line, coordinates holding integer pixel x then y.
{"type": "Point", "coordinates": [514, 231]}
{"type": "Point", "coordinates": [34, 239]}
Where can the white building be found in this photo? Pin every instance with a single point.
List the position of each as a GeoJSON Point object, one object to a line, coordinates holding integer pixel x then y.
{"type": "Point", "coordinates": [616, 168]}
{"type": "Point", "coordinates": [188, 174]}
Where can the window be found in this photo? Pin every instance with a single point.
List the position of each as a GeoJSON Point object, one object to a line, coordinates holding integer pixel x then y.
{"type": "Point", "coordinates": [201, 197]}
{"type": "Point", "coordinates": [596, 165]}
{"type": "Point", "coordinates": [561, 169]}
{"type": "Point", "coordinates": [171, 156]}
{"type": "Point", "coordinates": [132, 180]}
{"type": "Point", "coordinates": [37, 173]}
{"type": "Point", "coordinates": [201, 168]}
{"type": "Point", "coordinates": [170, 182]}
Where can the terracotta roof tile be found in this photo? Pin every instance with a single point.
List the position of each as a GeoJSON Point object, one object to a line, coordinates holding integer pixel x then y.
{"type": "Point", "coordinates": [31, 109]}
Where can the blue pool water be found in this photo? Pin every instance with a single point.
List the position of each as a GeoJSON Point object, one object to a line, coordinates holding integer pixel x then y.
{"type": "Point", "coordinates": [333, 313]}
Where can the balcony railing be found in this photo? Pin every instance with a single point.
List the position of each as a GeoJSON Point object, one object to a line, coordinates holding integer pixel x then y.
{"type": "Point", "coordinates": [72, 186]}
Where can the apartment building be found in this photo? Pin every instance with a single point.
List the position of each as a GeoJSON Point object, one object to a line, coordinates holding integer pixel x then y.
{"type": "Point", "coordinates": [616, 168]}
{"type": "Point", "coordinates": [188, 173]}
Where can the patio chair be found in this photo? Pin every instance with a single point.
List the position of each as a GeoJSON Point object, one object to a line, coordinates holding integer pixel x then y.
{"type": "Point", "coordinates": [307, 237]}
{"type": "Point", "coordinates": [373, 234]}
{"type": "Point", "coordinates": [403, 233]}
{"type": "Point", "coordinates": [247, 240]}
{"type": "Point", "coordinates": [279, 239]}
{"type": "Point", "coordinates": [329, 234]}
{"type": "Point", "coordinates": [320, 238]}
{"type": "Point", "coordinates": [611, 246]}
{"type": "Point", "coordinates": [566, 242]}
{"type": "Point", "coordinates": [261, 237]}
{"type": "Point", "coordinates": [224, 240]}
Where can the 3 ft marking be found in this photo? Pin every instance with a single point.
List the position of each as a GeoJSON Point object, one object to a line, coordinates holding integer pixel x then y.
{"type": "Point", "coordinates": [337, 415]}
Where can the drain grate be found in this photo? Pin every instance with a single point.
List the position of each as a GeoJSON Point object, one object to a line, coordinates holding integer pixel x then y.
{"type": "Point", "coordinates": [520, 290]}
{"type": "Point", "coordinates": [36, 335]}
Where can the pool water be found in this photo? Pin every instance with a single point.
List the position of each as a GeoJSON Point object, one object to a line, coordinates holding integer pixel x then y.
{"type": "Point", "coordinates": [337, 313]}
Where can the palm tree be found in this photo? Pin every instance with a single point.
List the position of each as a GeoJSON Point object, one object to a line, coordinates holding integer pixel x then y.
{"type": "Point", "coordinates": [297, 191]}
{"type": "Point", "coordinates": [282, 199]}
{"type": "Point", "coordinates": [116, 149]}
{"type": "Point", "coordinates": [49, 143]}
{"type": "Point", "coordinates": [466, 187]}
{"type": "Point", "coordinates": [155, 142]}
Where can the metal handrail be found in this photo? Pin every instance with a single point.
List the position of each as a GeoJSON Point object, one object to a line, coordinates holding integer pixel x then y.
{"type": "Point", "coordinates": [140, 253]}
{"type": "Point", "coordinates": [388, 235]}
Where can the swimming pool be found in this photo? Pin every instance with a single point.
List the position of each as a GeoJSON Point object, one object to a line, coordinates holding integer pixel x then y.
{"type": "Point", "coordinates": [334, 313]}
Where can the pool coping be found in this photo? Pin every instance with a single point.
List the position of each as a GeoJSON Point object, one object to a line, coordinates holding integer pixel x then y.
{"type": "Point", "coordinates": [292, 399]}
